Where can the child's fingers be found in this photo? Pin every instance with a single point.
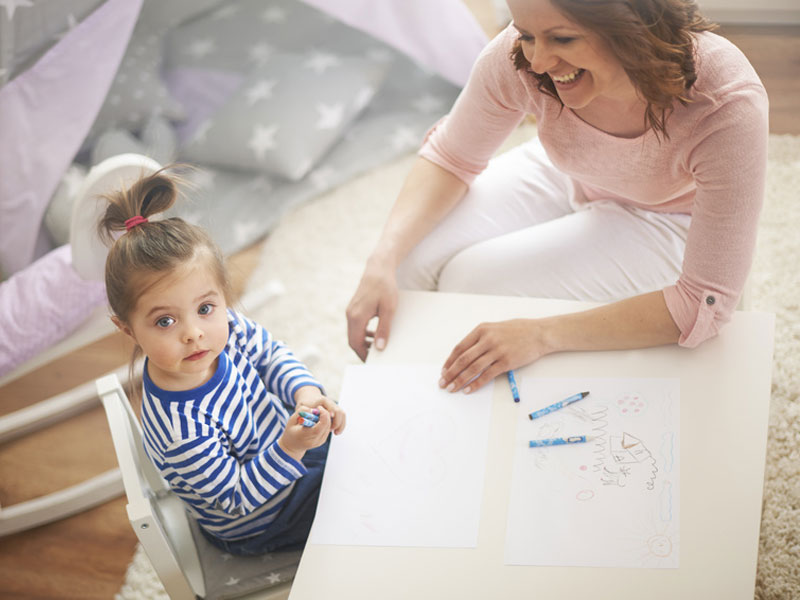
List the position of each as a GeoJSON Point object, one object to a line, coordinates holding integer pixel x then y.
{"type": "Point", "coordinates": [336, 413]}
{"type": "Point", "coordinates": [338, 421]}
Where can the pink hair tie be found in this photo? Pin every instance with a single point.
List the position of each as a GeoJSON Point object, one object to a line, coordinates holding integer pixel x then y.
{"type": "Point", "coordinates": [134, 221]}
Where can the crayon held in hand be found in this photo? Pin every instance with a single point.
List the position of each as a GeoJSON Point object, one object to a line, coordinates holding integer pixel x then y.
{"type": "Point", "coordinates": [557, 405]}
{"type": "Point", "coordinates": [306, 422]}
{"type": "Point", "coordinates": [309, 416]}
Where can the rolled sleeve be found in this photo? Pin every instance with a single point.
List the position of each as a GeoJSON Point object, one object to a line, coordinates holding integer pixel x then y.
{"type": "Point", "coordinates": [699, 316]}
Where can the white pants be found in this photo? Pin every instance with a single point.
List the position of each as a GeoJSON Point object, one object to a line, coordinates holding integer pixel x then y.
{"type": "Point", "coordinates": [523, 229]}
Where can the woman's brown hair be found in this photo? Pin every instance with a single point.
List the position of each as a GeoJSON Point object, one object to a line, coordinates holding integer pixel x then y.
{"type": "Point", "coordinates": [653, 41]}
{"type": "Point", "coordinates": [152, 247]}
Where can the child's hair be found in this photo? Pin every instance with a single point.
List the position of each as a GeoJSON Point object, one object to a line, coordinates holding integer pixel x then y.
{"type": "Point", "coordinates": [149, 247]}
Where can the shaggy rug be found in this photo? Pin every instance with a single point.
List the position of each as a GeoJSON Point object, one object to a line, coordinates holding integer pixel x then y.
{"type": "Point", "coordinates": [317, 254]}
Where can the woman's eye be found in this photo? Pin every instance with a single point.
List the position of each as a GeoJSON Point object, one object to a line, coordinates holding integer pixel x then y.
{"type": "Point", "coordinates": [205, 309]}
{"type": "Point", "coordinates": [165, 322]}
{"type": "Point", "coordinates": [564, 40]}
{"type": "Point", "coordinates": [525, 38]}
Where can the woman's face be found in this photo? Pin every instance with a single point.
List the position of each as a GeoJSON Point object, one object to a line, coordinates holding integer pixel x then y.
{"type": "Point", "coordinates": [578, 61]}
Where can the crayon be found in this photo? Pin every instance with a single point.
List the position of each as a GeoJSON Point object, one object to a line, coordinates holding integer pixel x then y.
{"type": "Point", "coordinates": [512, 381]}
{"type": "Point", "coordinates": [560, 441]}
{"type": "Point", "coordinates": [557, 405]}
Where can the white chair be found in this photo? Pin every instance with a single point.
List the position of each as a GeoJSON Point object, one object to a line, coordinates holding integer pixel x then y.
{"type": "Point", "coordinates": [88, 261]}
{"type": "Point", "coordinates": [187, 564]}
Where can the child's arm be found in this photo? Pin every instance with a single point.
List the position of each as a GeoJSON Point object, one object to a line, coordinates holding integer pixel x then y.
{"type": "Point", "coordinates": [204, 466]}
{"type": "Point", "coordinates": [282, 373]}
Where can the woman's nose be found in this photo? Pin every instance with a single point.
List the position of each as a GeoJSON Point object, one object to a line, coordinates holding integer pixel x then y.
{"type": "Point", "coordinates": [541, 57]}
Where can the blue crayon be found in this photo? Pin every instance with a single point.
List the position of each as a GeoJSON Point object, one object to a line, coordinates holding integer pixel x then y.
{"type": "Point", "coordinates": [560, 441]}
{"type": "Point", "coordinates": [309, 416]}
{"type": "Point", "coordinates": [560, 404]}
{"type": "Point", "coordinates": [306, 422]}
{"type": "Point", "coordinates": [513, 383]}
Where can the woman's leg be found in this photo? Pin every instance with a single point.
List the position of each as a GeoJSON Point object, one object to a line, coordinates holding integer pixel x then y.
{"type": "Point", "coordinates": [602, 252]}
{"type": "Point", "coordinates": [518, 189]}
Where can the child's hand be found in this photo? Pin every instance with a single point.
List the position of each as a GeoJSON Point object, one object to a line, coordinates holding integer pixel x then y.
{"type": "Point", "coordinates": [297, 438]}
{"type": "Point", "coordinates": [311, 396]}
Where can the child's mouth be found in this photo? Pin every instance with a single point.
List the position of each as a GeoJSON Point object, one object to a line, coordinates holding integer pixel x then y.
{"type": "Point", "coordinates": [197, 355]}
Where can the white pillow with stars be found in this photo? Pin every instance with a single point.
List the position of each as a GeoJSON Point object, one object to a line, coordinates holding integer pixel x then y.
{"type": "Point", "coordinates": [287, 113]}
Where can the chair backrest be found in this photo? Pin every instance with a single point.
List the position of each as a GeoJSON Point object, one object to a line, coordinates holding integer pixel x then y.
{"type": "Point", "coordinates": [158, 516]}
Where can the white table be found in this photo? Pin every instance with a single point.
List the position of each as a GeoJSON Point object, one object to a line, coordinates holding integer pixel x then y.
{"type": "Point", "coordinates": [725, 391]}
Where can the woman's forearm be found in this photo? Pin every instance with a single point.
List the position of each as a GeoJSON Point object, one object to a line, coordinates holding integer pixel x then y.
{"type": "Point", "coordinates": [428, 194]}
{"type": "Point", "coordinates": [638, 322]}
{"type": "Point", "coordinates": [495, 348]}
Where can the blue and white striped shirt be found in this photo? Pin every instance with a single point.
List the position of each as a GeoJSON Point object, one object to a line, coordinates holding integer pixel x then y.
{"type": "Point", "coordinates": [217, 446]}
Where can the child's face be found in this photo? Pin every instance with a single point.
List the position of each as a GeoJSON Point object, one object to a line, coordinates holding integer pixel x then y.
{"type": "Point", "coordinates": [181, 325]}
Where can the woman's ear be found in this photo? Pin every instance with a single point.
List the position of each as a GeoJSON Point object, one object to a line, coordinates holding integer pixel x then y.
{"type": "Point", "coordinates": [123, 327]}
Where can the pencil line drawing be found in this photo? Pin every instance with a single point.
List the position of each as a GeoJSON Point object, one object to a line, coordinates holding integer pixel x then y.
{"type": "Point", "coordinates": [626, 451]}
{"type": "Point", "coordinates": [668, 451]}
{"type": "Point", "coordinates": [665, 502]}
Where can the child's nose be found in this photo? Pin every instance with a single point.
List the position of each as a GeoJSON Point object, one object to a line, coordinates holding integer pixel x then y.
{"type": "Point", "coordinates": [192, 332]}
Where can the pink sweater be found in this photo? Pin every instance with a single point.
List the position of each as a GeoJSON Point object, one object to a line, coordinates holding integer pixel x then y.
{"type": "Point", "coordinates": [713, 165]}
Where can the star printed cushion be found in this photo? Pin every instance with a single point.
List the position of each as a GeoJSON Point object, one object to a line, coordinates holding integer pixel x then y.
{"type": "Point", "coordinates": [138, 92]}
{"type": "Point", "coordinates": [228, 576]}
{"type": "Point", "coordinates": [287, 113]}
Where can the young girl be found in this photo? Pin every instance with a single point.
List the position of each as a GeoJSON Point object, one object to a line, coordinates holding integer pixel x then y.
{"type": "Point", "coordinates": [218, 390]}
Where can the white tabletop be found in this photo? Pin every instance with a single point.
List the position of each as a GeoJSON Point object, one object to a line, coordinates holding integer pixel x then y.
{"type": "Point", "coordinates": [725, 391]}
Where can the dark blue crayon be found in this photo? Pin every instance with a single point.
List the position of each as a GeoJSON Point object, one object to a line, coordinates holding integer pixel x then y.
{"type": "Point", "coordinates": [560, 404]}
{"type": "Point", "coordinates": [513, 383]}
{"type": "Point", "coordinates": [573, 439]}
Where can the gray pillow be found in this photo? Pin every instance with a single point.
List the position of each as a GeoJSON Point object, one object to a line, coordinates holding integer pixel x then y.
{"type": "Point", "coordinates": [138, 92]}
{"type": "Point", "coordinates": [287, 114]}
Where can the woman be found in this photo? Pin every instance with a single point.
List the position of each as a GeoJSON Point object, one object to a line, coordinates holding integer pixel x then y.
{"type": "Point", "coordinates": [642, 190]}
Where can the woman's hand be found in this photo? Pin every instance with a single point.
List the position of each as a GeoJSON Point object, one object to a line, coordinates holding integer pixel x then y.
{"type": "Point", "coordinates": [376, 296]}
{"type": "Point", "coordinates": [490, 350]}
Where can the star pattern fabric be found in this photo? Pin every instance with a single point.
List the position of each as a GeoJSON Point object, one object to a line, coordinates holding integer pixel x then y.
{"type": "Point", "coordinates": [318, 103]}
{"type": "Point", "coordinates": [266, 143]}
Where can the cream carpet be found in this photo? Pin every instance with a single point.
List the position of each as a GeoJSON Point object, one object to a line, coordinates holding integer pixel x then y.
{"type": "Point", "coordinates": [317, 254]}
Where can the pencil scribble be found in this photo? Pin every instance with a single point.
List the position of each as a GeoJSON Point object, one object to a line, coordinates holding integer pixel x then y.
{"type": "Point", "coordinates": [627, 450]}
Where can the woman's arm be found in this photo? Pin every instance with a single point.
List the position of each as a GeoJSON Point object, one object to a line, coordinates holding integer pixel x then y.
{"type": "Point", "coordinates": [494, 348]}
{"type": "Point", "coordinates": [428, 194]}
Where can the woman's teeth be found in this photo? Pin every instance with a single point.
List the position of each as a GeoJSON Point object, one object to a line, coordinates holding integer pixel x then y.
{"type": "Point", "coordinates": [568, 78]}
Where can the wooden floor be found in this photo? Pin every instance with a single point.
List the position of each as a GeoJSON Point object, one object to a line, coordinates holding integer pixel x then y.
{"type": "Point", "coordinates": [86, 556]}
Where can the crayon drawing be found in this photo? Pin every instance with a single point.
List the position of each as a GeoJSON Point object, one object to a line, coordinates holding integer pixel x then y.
{"type": "Point", "coordinates": [612, 501]}
{"type": "Point", "coordinates": [408, 471]}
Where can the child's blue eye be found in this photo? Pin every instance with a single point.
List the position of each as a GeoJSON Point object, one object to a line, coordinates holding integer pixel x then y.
{"type": "Point", "coordinates": [205, 309]}
{"type": "Point", "coordinates": [165, 322]}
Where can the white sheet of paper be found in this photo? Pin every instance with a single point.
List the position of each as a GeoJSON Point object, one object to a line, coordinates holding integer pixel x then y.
{"type": "Point", "coordinates": [409, 468]}
{"type": "Point", "coordinates": [611, 502]}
